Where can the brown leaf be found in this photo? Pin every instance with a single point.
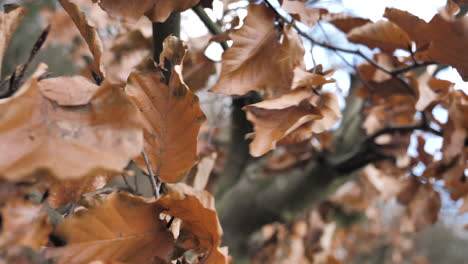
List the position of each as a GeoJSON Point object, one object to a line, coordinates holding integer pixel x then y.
{"type": "Point", "coordinates": [156, 10]}
{"type": "Point", "coordinates": [89, 33]}
{"type": "Point", "coordinates": [257, 60]}
{"type": "Point", "coordinates": [199, 178]}
{"type": "Point", "coordinates": [330, 111]}
{"type": "Point", "coordinates": [197, 67]}
{"type": "Point", "coordinates": [344, 22]}
{"type": "Point", "coordinates": [274, 119]}
{"type": "Point", "coordinates": [117, 227]}
{"type": "Point", "coordinates": [303, 78]}
{"type": "Point", "coordinates": [66, 191]}
{"type": "Point", "coordinates": [68, 91]}
{"type": "Point", "coordinates": [24, 223]}
{"type": "Point", "coordinates": [431, 91]}
{"type": "Point", "coordinates": [69, 141]}
{"type": "Point", "coordinates": [9, 22]}
{"type": "Point", "coordinates": [197, 211]}
{"type": "Point", "coordinates": [383, 34]}
{"type": "Point", "coordinates": [172, 116]}
{"type": "Point", "coordinates": [446, 37]}
{"type": "Point", "coordinates": [456, 129]}
{"type": "Point", "coordinates": [423, 210]}
{"type": "Point", "coordinates": [308, 16]}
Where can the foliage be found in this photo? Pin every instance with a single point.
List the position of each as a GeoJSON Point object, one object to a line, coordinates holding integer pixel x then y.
{"type": "Point", "coordinates": [78, 153]}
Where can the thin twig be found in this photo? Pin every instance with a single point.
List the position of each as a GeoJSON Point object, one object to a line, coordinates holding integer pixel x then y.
{"type": "Point", "coordinates": [18, 74]}
{"type": "Point", "coordinates": [154, 181]}
{"type": "Point", "coordinates": [394, 72]}
{"type": "Point", "coordinates": [212, 26]}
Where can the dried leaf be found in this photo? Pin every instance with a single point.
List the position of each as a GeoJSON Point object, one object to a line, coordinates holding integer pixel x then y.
{"type": "Point", "coordinates": [88, 32]}
{"type": "Point", "coordinates": [330, 111]}
{"type": "Point", "coordinates": [70, 142]}
{"type": "Point", "coordinates": [68, 91]}
{"type": "Point", "coordinates": [344, 22]}
{"type": "Point", "coordinates": [274, 119]}
{"type": "Point", "coordinates": [66, 191]}
{"type": "Point", "coordinates": [383, 34]}
{"type": "Point", "coordinates": [172, 117]}
{"type": "Point", "coordinates": [197, 211]}
{"type": "Point", "coordinates": [156, 10]}
{"type": "Point", "coordinates": [119, 227]}
{"type": "Point", "coordinates": [303, 78]}
{"type": "Point", "coordinates": [257, 60]}
{"type": "Point", "coordinates": [308, 16]}
{"type": "Point", "coordinates": [24, 223]}
{"type": "Point", "coordinates": [9, 22]}
{"type": "Point", "coordinates": [445, 36]}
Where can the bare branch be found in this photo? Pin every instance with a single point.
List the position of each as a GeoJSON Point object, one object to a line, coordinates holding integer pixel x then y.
{"type": "Point", "coordinates": [212, 26]}
{"type": "Point", "coordinates": [155, 183]}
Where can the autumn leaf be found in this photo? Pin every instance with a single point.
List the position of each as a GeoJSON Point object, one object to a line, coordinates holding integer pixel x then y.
{"type": "Point", "coordinates": [303, 78]}
{"type": "Point", "coordinates": [62, 192]}
{"type": "Point", "coordinates": [274, 119]}
{"type": "Point", "coordinates": [88, 32]}
{"type": "Point", "coordinates": [308, 16]}
{"type": "Point", "coordinates": [330, 111]}
{"type": "Point", "coordinates": [9, 22]}
{"type": "Point", "coordinates": [155, 10]}
{"type": "Point", "coordinates": [69, 141]}
{"type": "Point", "coordinates": [345, 22]}
{"type": "Point", "coordinates": [383, 34]}
{"type": "Point", "coordinates": [118, 227]}
{"type": "Point", "coordinates": [197, 211]}
{"type": "Point", "coordinates": [441, 40]}
{"type": "Point", "coordinates": [172, 115]}
{"type": "Point", "coordinates": [197, 67]}
{"type": "Point", "coordinates": [24, 223]}
{"type": "Point", "coordinates": [257, 60]}
{"type": "Point", "coordinates": [431, 91]}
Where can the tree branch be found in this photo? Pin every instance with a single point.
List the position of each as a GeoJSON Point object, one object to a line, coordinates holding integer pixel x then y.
{"type": "Point", "coordinates": [212, 26]}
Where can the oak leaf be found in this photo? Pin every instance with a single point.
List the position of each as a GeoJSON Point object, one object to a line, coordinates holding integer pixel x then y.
{"type": "Point", "coordinates": [116, 228]}
{"type": "Point", "coordinates": [172, 115]}
{"type": "Point", "coordinates": [274, 119]}
{"type": "Point", "coordinates": [383, 34]}
{"type": "Point", "coordinates": [69, 141]}
{"type": "Point", "coordinates": [257, 60]}
{"type": "Point", "coordinates": [9, 22]}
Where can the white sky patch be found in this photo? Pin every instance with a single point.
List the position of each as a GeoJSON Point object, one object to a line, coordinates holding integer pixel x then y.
{"type": "Point", "coordinates": [374, 9]}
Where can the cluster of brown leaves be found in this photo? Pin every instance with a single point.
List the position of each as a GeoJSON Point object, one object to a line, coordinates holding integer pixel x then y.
{"type": "Point", "coordinates": [72, 135]}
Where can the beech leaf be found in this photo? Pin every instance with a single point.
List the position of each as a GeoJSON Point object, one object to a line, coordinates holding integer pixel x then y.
{"type": "Point", "coordinates": [257, 60]}
{"type": "Point", "coordinates": [118, 227]}
{"type": "Point", "coordinates": [88, 32]}
{"type": "Point", "coordinates": [69, 141]}
{"type": "Point", "coordinates": [383, 34]}
{"type": "Point", "coordinates": [172, 116]}
{"type": "Point", "coordinates": [274, 119]}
